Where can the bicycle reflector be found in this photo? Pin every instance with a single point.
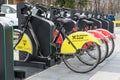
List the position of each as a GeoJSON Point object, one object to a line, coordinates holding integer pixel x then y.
{"type": "Point", "coordinates": [74, 29]}
{"type": "Point", "coordinates": [60, 38]}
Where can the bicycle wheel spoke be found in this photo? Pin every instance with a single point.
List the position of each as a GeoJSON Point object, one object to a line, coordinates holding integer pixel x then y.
{"type": "Point", "coordinates": [79, 62]}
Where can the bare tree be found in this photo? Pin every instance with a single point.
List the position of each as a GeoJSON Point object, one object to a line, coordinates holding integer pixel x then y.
{"type": "Point", "coordinates": [103, 6]}
{"type": "Point", "coordinates": [45, 2]}
{"type": "Point", "coordinates": [117, 6]}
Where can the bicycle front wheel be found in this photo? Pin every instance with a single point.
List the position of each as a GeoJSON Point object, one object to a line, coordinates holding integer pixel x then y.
{"type": "Point", "coordinates": [104, 53]}
{"type": "Point", "coordinates": [19, 55]}
{"type": "Point", "coordinates": [111, 45]}
{"type": "Point", "coordinates": [74, 62]}
{"type": "Point", "coordinates": [104, 50]}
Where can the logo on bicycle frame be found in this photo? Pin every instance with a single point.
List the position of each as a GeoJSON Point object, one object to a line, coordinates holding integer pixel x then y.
{"type": "Point", "coordinates": [79, 37]}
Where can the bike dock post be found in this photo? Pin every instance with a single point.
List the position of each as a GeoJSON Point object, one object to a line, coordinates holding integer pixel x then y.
{"type": "Point", "coordinates": [26, 69]}
{"type": "Point", "coordinates": [6, 52]}
{"type": "Point", "coordinates": [111, 26]}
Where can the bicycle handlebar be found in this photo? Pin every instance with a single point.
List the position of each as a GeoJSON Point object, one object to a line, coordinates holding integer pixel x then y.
{"type": "Point", "coordinates": [26, 10]}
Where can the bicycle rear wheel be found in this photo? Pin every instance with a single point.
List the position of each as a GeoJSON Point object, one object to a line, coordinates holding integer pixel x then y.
{"type": "Point", "coordinates": [76, 65]}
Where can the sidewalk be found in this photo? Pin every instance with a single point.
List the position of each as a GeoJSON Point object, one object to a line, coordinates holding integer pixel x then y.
{"type": "Point", "coordinates": [108, 70]}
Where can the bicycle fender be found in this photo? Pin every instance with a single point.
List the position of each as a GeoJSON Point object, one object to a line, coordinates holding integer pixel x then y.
{"type": "Point", "coordinates": [25, 44]}
{"type": "Point", "coordinates": [78, 39]}
{"type": "Point", "coordinates": [98, 35]}
{"type": "Point", "coordinates": [106, 33]}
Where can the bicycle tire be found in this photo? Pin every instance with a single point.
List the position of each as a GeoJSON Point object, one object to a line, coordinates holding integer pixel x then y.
{"type": "Point", "coordinates": [81, 69]}
{"type": "Point", "coordinates": [104, 53]}
{"type": "Point", "coordinates": [111, 45]}
{"type": "Point", "coordinates": [105, 49]}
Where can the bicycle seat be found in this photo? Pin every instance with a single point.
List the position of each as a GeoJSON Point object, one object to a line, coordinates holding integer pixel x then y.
{"type": "Point", "coordinates": [96, 23]}
{"type": "Point", "coordinates": [81, 17]}
{"type": "Point", "coordinates": [64, 20]}
{"type": "Point", "coordinates": [88, 22]}
{"type": "Point", "coordinates": [67, 23]}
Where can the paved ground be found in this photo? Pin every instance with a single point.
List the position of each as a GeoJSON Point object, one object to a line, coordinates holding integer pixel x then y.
{"type": "Point", "coordinates": [108, 70]}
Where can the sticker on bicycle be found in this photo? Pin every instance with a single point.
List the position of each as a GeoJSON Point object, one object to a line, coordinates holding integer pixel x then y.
{"type": "Point", "coordinates": [78, 39]}
{"type": "Point", "coordinates": [25, 44]}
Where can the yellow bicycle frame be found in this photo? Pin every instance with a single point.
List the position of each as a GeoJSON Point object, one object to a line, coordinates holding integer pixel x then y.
{"type": "Point", "coordinates": [78, 39]}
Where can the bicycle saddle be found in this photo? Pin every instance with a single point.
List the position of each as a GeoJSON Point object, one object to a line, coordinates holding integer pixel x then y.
{"type": "Point", "coordinates": [88, 22]}
{"type": "Point", "coordinates": [78, 16]}
{"type": "Point", "coordinates": [68, 24]}
{"type": "Point", "coordinates": [64, 20]}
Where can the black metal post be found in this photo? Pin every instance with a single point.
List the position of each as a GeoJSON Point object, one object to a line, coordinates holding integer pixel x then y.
{"type": "Point", "coordinates": [6, 52]}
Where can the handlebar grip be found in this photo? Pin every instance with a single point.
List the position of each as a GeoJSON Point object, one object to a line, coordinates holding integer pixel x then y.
{"type": "Point", "coordinates": [26, 10]}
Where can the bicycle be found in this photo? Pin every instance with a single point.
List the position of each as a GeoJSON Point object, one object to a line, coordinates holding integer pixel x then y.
{"type": "Point", "coordinates": [69, 51]}
{"type": "Point", "coordinates": [58, 17]}
{"type": "Point", "coordinates": [85, 25]}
